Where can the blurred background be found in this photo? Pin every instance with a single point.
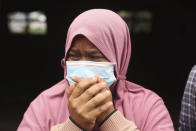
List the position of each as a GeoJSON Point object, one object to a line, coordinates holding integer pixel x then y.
{"type": "Point", "coordinates": [33, 35]}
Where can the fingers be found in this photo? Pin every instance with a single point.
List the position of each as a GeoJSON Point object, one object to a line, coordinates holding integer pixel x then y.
{"type": "Point", "coordinates": [82, 85]}
{"type": "Point", "coordinates": [76, 79]}
{"type": "Point", "coordinates": [70, 90]}
{"type": "Point", "coordinates": [97, 100]}
{"type": "Point", "coordinates": [102, 108]}
{"type": "Point", "coordinates": [92, 91]}
{"type": "Point", "coordinates": [88, 99]}
{"type": "Point", "coordinates": [102, 80]}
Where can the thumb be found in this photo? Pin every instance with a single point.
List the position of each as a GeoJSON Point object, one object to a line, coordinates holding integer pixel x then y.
{"type": "Point", "coordinates": [70, 89]}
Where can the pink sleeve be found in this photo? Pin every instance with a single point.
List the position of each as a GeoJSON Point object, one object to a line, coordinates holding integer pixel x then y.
{"type": "Point", "coordinates": [117, 122]}
{"type": "Point", "coordinates": [34, 118]}
{"type": "Point", "coordinates": [66, 126]}
{"type": "Point", "coordinates": [158, 118]}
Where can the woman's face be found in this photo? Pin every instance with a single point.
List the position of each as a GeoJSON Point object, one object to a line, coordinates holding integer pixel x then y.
{"type": "Point", "coordinates": [83, 50]}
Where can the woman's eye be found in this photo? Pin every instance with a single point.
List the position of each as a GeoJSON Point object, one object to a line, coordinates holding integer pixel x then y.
{"type": "Point", "coordinates": [73, 56]}
{"type": "Point", "coordinates": [96, 57]}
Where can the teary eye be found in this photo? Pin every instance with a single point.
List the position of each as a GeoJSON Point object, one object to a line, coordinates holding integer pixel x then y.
{"type": "Point", "coordinates": [73, 56]}
{"type": "Point", "coordinates": [96, 57]}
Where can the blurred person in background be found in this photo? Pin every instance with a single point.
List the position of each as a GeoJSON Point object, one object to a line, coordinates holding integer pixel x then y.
{"type": "Point", "coordinates": [94, 94]}
{"type": "Point", "coordinates": [187, 120]}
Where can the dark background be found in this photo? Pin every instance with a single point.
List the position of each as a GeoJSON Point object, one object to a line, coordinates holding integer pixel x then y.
{"type": "Point", "coordinates": [160, 61]}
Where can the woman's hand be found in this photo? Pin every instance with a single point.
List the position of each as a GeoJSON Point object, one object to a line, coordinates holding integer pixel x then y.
{"type": "Point", "coordinates": [102, 116]}
{"type": "Point", "coordinates": [86, 101]}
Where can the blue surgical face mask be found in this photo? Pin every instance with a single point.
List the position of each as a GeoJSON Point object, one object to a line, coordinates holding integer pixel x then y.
{"type": "Point", "coordinates": [86, 69]}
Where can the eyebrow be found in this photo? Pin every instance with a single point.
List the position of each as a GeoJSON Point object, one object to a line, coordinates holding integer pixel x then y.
{"type": "Point", "coordinates": [90, 51]}
{"type": "Point", "coordinates": [73, 50]}
{"type": "Point", "coordinates": [94, 52]}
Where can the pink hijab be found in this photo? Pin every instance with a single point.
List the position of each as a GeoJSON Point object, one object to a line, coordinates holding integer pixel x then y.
{"type": "Point", "coordinates": [110, 34]}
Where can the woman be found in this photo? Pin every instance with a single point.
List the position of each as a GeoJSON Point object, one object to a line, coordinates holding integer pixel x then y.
{"type": "Point", "coordinates": [95, 94]}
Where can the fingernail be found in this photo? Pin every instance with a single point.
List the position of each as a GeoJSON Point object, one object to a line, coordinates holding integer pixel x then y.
{"type": "Point", "coordinates": [103, 84]}
{"type": "Point", "coordinates": [96, 75]}
{"type": "Point", "coordinates": [73, 77]}
{"type": "Point", "coordinates": [94, 78]}
{"type": "Point", "coordinates": [107, 92]}
{"type": "Point", "coordinates": [109, 103]}
{"type": "Point", "coordinates": [72, 84]}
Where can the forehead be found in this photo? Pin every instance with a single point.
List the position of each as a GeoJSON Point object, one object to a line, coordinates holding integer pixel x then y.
{"type": "Point", "coordinates": [81, 42]}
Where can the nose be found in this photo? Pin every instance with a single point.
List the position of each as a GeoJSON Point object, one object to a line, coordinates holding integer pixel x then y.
{"type": "Point", "coordinates": [83, 58]}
